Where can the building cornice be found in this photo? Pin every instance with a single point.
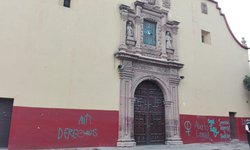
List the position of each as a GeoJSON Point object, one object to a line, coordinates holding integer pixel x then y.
{"type": "Point", "coordinates": [151, 60]}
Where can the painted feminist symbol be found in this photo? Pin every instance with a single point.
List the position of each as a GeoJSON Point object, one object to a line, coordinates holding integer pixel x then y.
{"type": "Point", "coordinates": [187, 125]}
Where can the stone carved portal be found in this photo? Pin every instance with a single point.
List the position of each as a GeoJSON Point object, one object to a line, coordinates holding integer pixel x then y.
{"type": "Point", "coordinates": [155, 64]}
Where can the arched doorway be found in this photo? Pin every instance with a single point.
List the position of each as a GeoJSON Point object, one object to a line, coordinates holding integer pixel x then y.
{"type": "Point", "coordinates": [149, 114]}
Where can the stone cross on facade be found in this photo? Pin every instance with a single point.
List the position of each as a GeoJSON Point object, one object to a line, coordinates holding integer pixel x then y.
{"type": "Point", "coordinates": [244, 42]}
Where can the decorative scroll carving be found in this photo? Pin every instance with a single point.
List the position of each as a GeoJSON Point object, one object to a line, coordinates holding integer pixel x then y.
{"type": "Point", "coordinates": [156, 69]}
{"type": "Point", "coordinates": [151, 2]}
{"type": "Point", "coordinates": [163, 70]}
{"type": "Point", "coordinates": [142, 66]}
{"type": "Point", "coordinates": [166, 3]}
{"type": "Point", "coordinates": [174, 71]}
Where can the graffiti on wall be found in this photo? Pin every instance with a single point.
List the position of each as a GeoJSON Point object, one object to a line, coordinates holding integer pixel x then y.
{"type": "Point", "coordinates": [213, 129]}
{"type": "Point", "coordinates": [84, 130]}
{"type": "Point", "coordinates": [205, 129]}
{"type": "Point", "coordinates": [225, 129]}
{"type": "Point", "coordinates": [202, 130]}
{"type": "Point", "coordinates": [187, 126]}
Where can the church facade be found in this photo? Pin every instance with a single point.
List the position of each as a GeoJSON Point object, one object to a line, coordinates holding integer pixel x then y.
{"type": "Point", "coordinates": [119, 73]}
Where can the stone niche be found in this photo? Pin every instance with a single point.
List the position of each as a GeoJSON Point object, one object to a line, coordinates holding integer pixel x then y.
{"type": "Point", "coordinates": [133, 32]}
{"type": "Point", "coordinates": [148, 51]}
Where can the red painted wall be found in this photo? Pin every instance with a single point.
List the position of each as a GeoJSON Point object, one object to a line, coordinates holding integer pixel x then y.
{"type": "Point", "coordinates": [241, 133]}
{"type": "Point", "coordinates": [61, 128]}
{"type": "Point", "coordinates": [201, 129]}
{"type": "Point", "coordinates": [38, 128]}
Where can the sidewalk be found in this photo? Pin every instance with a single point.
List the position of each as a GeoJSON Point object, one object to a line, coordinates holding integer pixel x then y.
{"type": "Point", "coordinates": [217, 146]}
{"type": "Point", "coordinates": [205, 146]}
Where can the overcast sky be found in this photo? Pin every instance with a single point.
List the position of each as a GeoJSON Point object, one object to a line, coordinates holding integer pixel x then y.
{"type": "Point", "coordinates": [238, 16]}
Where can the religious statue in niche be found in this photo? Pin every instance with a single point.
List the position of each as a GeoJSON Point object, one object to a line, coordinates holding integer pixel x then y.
{"type": "Point", "coordinates": [169, 40]}
{"type": "Point", "coordinates": [130, 39]}
{"type": "Point", "coordinates": [130, 29]}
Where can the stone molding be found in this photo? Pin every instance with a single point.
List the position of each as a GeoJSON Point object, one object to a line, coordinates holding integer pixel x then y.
{"type": "Point", "coordinates": [145, 59]}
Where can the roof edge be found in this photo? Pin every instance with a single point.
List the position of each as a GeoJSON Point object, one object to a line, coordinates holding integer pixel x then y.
{"type": "Point", "coordinates": [228, 27]}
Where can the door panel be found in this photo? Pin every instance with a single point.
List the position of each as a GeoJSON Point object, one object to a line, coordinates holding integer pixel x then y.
{"type": "Point", "coordinates": [232, 124]}
{"type": "Point", "coordinates": [149, 114]}
{"type": "Point", "coordinates": [5, 118]}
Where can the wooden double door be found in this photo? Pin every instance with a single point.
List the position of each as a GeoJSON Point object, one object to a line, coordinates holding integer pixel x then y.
{"type": "Point", "coordinates": [149, 114]}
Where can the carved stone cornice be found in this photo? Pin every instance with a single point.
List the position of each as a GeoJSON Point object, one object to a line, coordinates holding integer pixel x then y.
{"type": "Point", "coordinates": [173, 23]}
{"type": "Point", "coordinates": [163, 11]}
{"type": "Point", "coordinates": [150, 8]}
{"type": "Point", "coordinates": [139, 3]}
{"type": "Point", "coordinates": [126, 12]}
{"type": "Point", "coordinates": [151, 60]}
{"type": "Point", "coordinates": [126, 8]}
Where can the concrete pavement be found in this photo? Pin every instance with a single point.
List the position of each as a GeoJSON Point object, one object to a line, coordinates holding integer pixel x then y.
{"type": "Point", "coordinates": [205, 146]}
{"type": "Point", "coordinates": [218, 146]}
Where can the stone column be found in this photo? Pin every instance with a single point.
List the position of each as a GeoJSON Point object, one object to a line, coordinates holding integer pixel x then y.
{"type": "Point", "coordinates": [173, 124]}
{"type": "Point", "coordinates": [132, 106]}
{"type": "Point", "coordinates": [138, 29]}
{"type": "Point", "coordinates": [163, 36]}
{"type": "Point", "coordinates": [175, 31]}
{"type": "Point", "coordinates": [126, 138]}
{"type": "Point", "coordinates": [124, 18]}
{"type": "Point", "coordinates": [168, 117]}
